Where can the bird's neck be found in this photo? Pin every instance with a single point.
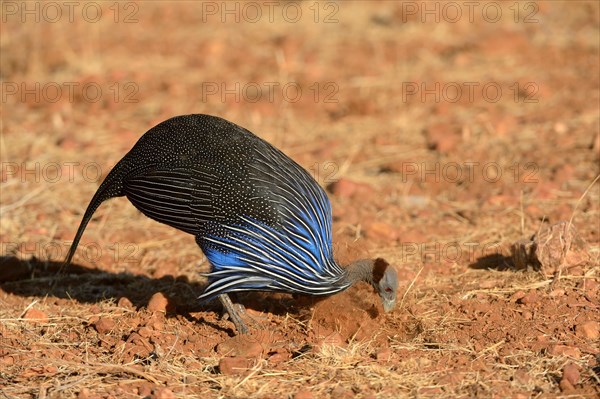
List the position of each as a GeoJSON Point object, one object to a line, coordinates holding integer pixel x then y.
{"type": "Point", "coordinates": [361, 270]}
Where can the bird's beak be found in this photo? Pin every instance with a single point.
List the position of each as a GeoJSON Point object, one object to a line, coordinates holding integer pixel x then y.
{"type": "Point", "coordinates": [388, 305]}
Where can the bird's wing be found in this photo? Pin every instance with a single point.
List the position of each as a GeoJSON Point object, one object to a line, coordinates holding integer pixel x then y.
{"type": "Point", "coordinates": [169, 195]}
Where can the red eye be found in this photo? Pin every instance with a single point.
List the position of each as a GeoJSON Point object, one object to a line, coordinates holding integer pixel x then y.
{"type": "Point", "coordinates": [388, 290]}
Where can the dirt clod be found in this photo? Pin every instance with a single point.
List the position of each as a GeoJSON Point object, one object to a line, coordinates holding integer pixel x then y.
{"type": "Point", "coordinates": [36, 316]}
{"type": "Point", "coordinates": [84, 393]}
{"type": "Point", "coordinates": [530, 298]}
{"type": "Point", "coordinates": [163, 393]}
{"type": "Point", "coordinates": [158, 303]}
{"type": "Point", "coordinates": [565, 350]}
{"type": "Point", "coordinates": [571, 373]}
{"type": "Point", "coordinates": [104, 325]}
{"type": "Point", "coordinates": [124, 302]}
{"type": "Point", "coordinates": [588, 329]}
{"type": "Point", "coordinates": [347, 188]}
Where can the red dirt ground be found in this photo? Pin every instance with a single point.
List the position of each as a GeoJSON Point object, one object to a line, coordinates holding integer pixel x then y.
{"type": "Point", "coordinates": [440, 184]}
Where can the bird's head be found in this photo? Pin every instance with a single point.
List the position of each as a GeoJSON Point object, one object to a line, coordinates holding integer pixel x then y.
{"type": "Point", "coordinates": [385, 282]}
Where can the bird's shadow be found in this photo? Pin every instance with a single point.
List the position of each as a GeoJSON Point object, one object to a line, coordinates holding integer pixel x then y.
{"type": "Point", "coordinates": [43, 278]}
{"type": "Point", "coordinates": [494, 261]}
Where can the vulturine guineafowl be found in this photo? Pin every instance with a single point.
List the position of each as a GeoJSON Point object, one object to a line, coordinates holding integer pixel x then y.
{"type": "Point", "coordinates": [261, 220]}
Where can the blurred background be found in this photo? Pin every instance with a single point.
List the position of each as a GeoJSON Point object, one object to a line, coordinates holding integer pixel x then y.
{"type": "Point", "coordinates": [427, 121]}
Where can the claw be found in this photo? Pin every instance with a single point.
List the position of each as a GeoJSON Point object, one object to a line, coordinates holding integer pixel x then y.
{"type": "Point", "coordinates": [234, 314]}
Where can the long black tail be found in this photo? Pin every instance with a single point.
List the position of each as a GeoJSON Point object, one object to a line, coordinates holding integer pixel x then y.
{"type": "Point", "coordinates": [111, 187]}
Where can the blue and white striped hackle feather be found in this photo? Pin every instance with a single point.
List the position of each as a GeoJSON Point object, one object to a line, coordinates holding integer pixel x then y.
{"type": "Point", "coordinates": [261, 220]}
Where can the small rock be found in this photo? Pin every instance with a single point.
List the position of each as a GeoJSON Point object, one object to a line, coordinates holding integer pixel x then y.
{"type": "Point", "coordinates": [247, 345]}
{"type": "Point", "coordinates": [125, 303]}
{"type": "Point", "coordinates": [84, 393]}
{"type": "Point", "coordinates": [590, 287]}
{"type": "Point", "coordinates": [588, 329]}
{"type": "Point", "coordinates": [304, 394]}
{"type": "Point", "coordinates": [564, 350]}
{"type": "Point", "coordinates": [104, 325]}
{"type": "Point", "coordinates": [234, 365]}
{"type": "Point", "coordinates": [163, 393]}
{"type": "Point", "coordinates": [35, 316]}
{"type": "Point", "coordinates": [347, 188]}
{"type": "Point", "coordinates": [517, 296]}
{"type": "Point", "coordinates": [158, 303]}
{"type": "Point", "coordinates": [7, 360]}
{"type": "Point", "coordinates": [145, 389]}
{"type": "Point", "coordinates": [145, 332]}
{"type": "Point", "coordinates": [565, 386]}
{"type": "Point", "coordinates": [531, 298]}
{"type": "Point", "coordinates": [571, 373]}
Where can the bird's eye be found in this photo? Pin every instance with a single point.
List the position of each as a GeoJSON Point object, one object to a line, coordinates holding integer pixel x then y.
{"type": "Point", "coordinates": [388, 289]}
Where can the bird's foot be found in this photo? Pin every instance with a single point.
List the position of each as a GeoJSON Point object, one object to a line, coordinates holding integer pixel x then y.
{"type": "Point", "coordinates": [233, 313]}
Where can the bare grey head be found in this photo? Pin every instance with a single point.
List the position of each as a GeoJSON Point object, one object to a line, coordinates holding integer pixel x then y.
{"type": "Point", "coordinates": [380, 275]}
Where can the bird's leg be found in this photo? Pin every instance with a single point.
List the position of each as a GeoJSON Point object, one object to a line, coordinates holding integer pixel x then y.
{"type": "Point", "coordinates": [233, 314]}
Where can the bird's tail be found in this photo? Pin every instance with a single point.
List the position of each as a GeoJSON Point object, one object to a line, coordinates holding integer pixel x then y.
{"type": "Point", "coordinates": [112, 186]}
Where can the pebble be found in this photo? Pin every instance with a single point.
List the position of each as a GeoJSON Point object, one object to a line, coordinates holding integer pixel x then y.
{"type": "Point", "coordinates": [565, 350]}
{"type": "Point", "coordinates": [241, 345]}
{"type": "Point", "coordinates": [348, 188]}
{"type": "Point", "coordinates": [163, 393]}
{"type": "Point", "coordinates": [588, 329]}
{"type": "Point", "coordinates": [530, 298]}
{"type": "Point", "coordinates": [145, 389]}
{"type": "Point", "coordinates": [104, 325]}
{"type": "Point", "coordinates": [84, 393]}
{"type": "Point", "coordinates": [35, 316]}
{"type": "Point", "coordinates": [571, 373]}
{"type": "Point", "coordinates": [158, 303]}
{"type": "Point", "coordinates": [125, 303]}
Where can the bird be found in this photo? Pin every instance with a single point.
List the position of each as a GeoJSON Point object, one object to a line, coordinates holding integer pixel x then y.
{"type": "Point", "coordinates": [261, 220]}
